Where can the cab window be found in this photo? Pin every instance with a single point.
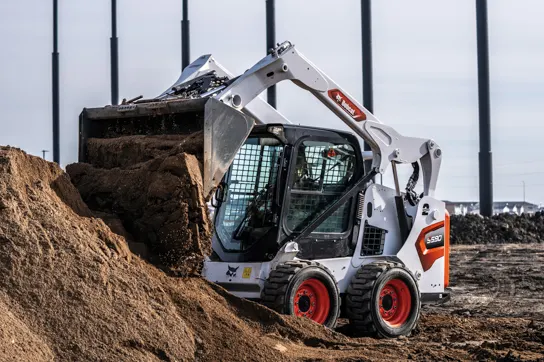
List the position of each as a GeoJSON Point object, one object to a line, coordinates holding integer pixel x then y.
{"type": "Point", "coordinates": [323, 171]}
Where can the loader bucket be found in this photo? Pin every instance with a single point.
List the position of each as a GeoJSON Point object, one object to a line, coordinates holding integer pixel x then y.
{"type": "Point", "coordinates": [224, 128]}
{"type": "Point", "coordinates": [225, 131]}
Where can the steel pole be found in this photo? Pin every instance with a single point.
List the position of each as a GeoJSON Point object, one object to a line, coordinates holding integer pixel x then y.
{"type": "Point", "coordinates": [55, 83]}
{"type": "Point", "coordinates": [271, 43]}
{"type": "Point", "coordinates": [485, 156]}
{"type": "Point", "coordinates": [185, 45]}
{"type": "Point", "coordinates": [114, 55]}
{"type": "Point", "coordinates": [368, 92]}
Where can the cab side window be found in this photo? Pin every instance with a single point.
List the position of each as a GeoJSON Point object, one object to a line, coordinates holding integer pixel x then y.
{"type": "Point", "coordinates": [323, 171]}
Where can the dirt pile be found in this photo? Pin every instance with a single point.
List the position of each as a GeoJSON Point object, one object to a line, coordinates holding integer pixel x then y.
{"type": "Point", "coordinates": [70, 289]}
{"type": "Point", "coordinates": [155, 189]}
{"type": "Point", "coordinates": [499, 229]}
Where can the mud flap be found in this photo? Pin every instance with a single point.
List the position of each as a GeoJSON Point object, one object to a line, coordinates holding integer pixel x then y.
{"type": "Point", "coordinates": [225, 131]}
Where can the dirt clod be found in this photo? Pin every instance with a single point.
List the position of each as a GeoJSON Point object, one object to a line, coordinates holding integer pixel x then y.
{"type": "Point", "coordinates": [159, 203]}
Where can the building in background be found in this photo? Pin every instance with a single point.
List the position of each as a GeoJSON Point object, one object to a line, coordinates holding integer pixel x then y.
{"type": "Point", "coordinates": [504, 207]}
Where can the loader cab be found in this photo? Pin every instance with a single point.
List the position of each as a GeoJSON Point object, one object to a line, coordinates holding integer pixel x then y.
{"type": "Point", "coordinates": [280, 180]}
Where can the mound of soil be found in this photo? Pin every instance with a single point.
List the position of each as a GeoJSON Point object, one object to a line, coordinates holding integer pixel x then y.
{"type": "Point", "coordinates": [160, 205]}
{"type": "Point", "coordinates": [498, 229]}
{"type": "Point", "coordinates": [71, 290]}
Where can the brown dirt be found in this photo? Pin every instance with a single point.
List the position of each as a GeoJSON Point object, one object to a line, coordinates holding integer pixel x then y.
{"type": "Point", "coordinates": [126, 151]}
{"type": "Point", "coordinates": [71, 290]}
{"type": "Point", "coordinates": [160, 204]}
{"type": "Point", "coordinates": [498, 281]}
{"type": "Point", "coordinates": [17, 341]}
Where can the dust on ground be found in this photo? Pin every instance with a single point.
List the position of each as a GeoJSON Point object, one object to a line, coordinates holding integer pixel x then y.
{"type": "Point", "coordinates": [504, 280]}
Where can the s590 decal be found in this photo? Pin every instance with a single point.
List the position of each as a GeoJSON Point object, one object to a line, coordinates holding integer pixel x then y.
{"type": "Point", "coordinates": [435, 239]}
{"type": "Point", "coordinates": [430, 244]}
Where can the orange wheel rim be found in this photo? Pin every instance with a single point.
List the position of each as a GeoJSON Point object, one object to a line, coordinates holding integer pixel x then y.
{"type": "Point", "coordinates": [312, 301]}
{"type": "Point", "coordinates": [395, 303]}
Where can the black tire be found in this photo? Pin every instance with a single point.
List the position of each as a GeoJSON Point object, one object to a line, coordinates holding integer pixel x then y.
{"type": "Point", "coordinates": [286, 279]}
{"type": "Point", "coordinates": [363, 301]}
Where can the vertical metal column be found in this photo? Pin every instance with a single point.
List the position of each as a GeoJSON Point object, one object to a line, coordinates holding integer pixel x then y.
{"type": "Point", "coordinates": [55, 75]}
{"type": "Point", "coordinates": [114, 55]}
{"type": "Point", "coordinates": [185, 45]}
{"type": "Point", "coordinates": [271, 43]}
{"type": "Point", "coordinates": [368, 92]}
{"type": "Point", "coordinates": [485, 156]}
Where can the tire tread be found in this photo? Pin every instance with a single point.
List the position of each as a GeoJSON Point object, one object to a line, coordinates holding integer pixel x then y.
{"type": "Point", "coordinates": [276, 285]}
{"type": "Point", "coordinates": [359, 297]}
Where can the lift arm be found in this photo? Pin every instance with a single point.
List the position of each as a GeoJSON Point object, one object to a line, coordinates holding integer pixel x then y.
{"type": "Point", "coordinates": [388, 146]}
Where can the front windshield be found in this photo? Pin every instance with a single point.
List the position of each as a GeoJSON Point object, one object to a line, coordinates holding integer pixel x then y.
{"type": "Point", "coordinates": [246, 211]}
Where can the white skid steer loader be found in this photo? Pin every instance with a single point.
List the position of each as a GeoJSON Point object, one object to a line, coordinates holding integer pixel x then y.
{"type": "Point", "coordinates": [300, 224]}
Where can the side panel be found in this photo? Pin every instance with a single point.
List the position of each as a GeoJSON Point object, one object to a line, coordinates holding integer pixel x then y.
{"type": "Point", "coordinates": [244, 280]}
{"type": "Point", "coordinates": [379, 211]}
{"type": "Point", "coordinates": [426, 250]}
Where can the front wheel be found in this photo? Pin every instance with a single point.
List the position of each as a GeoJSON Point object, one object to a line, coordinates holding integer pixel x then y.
{"type": "Point", "coordinates": [304, 289]}
{"type": "Point", "coordinates": [383, 299]}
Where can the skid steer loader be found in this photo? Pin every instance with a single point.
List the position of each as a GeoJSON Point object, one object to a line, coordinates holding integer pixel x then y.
{"type": "Point", "coordinates": [300, 224]}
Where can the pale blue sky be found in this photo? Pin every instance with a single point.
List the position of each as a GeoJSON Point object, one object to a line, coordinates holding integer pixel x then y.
{"type": "Point", "coordinates": [425, 73]}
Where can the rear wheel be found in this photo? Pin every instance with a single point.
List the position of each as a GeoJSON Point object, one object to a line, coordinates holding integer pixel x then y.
{"type": "Point", "coordinates": [305, 289]}
{"type": "Point", "coordinates": [383, 299]}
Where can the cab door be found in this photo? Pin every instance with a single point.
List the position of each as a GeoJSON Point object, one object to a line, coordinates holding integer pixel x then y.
{"type": "Point", "coordinates": [322, 169]}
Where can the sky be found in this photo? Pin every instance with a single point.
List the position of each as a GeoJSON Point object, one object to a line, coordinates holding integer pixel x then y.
{"type": "Point", "coordinates": [425, 71]}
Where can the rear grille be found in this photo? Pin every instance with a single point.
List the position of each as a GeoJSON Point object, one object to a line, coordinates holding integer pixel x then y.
{"type": "Point", "coordinates": [373, 240]}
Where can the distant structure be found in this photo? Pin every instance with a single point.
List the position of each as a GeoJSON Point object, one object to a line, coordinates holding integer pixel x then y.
{"type": "Point", "coordinates": [114, 55]}
{"type": "Point", "coordinates": [56, 84]}
{"type": "Point", "coordinates": [185, 37]}
{"type": "Point", "coordinates": [271, 43]}
{"type": "Point", "coordinates": [484, 156]}
{"type": "Point", "coordinates": [503, 207]}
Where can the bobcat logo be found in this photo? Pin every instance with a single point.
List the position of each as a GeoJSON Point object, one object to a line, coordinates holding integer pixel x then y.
{"type": "Point", "coordinates": [232, 271]}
